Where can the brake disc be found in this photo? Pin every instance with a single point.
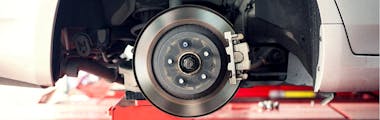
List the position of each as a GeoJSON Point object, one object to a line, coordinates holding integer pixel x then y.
{"type": "Point", "coordinates": [180, 61]}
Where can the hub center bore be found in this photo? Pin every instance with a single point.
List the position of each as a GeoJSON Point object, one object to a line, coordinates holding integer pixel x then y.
{"type": "Point", "coordinates": [189, 63]}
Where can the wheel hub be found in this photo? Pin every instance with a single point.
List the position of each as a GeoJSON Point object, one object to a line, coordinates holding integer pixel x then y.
{"type": "Point", "coordinates": [181, 46]}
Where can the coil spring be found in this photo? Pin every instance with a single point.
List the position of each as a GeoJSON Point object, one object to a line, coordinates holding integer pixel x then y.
{"type": "Point", "coordinates": [143, 14]}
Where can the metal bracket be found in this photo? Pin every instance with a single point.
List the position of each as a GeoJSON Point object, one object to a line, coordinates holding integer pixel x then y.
{"type": "Point", "coordinates": [130, 83]}
{"type": "Point", "coordinates": [238, 56]}
{"type": "Point", "coordinates": [327, 97]}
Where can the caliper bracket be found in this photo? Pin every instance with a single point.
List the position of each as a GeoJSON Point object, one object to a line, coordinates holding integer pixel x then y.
{"type": "Point", "coordinates": [238, 52]}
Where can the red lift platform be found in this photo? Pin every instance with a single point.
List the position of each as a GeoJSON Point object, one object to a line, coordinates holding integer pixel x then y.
{"type": "Point", "coordinates": [245, 105]}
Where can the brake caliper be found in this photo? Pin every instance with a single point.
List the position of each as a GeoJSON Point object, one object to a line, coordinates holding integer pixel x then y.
{"type": "Point", "coordinates": [237, 51]}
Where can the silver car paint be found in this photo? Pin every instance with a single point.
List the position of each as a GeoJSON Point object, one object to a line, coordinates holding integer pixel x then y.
{"type": "Point", "coordinates": [338, 68]}
{"type": "Point", "coordinates": [361, 20]}
{"type": "Point", "coordinates": [26, 28]}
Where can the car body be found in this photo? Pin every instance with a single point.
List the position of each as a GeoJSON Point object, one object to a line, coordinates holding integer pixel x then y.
{"type": "Point", "coordinates": [341, 52]}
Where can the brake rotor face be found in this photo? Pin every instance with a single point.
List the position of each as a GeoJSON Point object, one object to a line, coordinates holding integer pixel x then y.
{"type": "Point", "coordinates": [180, 62]}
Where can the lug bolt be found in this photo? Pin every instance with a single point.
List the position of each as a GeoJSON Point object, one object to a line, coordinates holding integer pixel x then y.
{"type": "Point", "coordinates": [205, 53]}
{"type": "Point", "coordinates": [185, 44]}
{"type": "Point", "coordinates": [170, 61]}
{"type": "Point", "coordinates": [203, 76]}
{"type": "Point", "coordinates": [181, 81]}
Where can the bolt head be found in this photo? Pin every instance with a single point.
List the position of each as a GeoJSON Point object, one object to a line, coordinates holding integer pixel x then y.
{"type": "Point", "coordinates": [181, 81]}
{"type": "Point", "coordinates": [170, 61]}
{"type": "Point", "coordinates": [205, 53]}
{"type": "Point", "coordinates": [185, 44]}
{"type": "Point", "coordinates": [203, 76]}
